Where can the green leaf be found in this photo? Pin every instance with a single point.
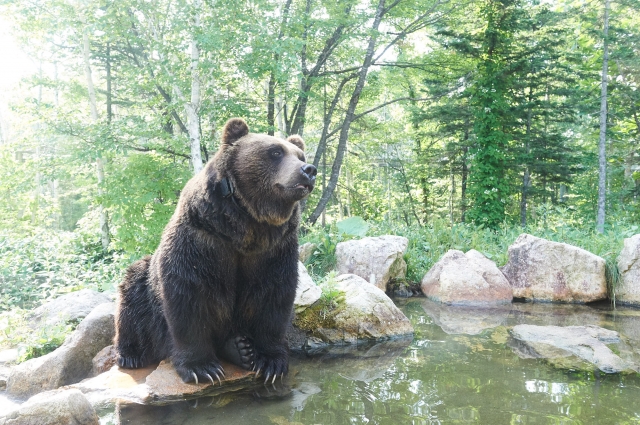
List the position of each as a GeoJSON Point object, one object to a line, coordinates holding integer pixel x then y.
{"type": "Point", "coordinates": [355, 226]}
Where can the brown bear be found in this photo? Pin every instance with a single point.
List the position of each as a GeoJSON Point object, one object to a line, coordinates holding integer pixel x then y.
{"type": "Point", "coordinates": [222, 282]}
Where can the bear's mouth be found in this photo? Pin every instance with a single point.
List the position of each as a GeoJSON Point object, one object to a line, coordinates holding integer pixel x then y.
{"type": "Point", "coordinates": [307, 187]}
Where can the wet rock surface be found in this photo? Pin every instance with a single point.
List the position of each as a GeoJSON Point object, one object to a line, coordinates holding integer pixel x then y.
{"type": "Point", "coordinates": [543, 270]}
{"type": "Point", "coordinates": [377, 260]}
{"type": "Point", "coordinates": [588, 343]}
{"type": "Point", "coordinates": [471, 278]}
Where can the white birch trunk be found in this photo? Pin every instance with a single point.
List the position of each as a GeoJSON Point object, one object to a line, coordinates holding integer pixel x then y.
{"type": "Point", "coordinates": [602, 156]}
{"type": "Point", "coordinates": [100, 162]}
{"type": "Point", "coordinates": [191, 108]}
{"type": "Point", "coordinates": [280, 117]}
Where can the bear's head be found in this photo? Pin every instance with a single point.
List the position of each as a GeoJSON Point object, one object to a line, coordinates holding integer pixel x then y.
{"type": "Point", "coordinates": [269, 174]}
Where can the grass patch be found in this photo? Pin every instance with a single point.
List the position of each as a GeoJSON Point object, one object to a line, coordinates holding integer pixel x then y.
{"type": "Point", "coordinates": [322, 313]}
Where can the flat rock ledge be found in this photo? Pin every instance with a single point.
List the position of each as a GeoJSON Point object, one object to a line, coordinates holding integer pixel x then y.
{"type": "Point", "coordinates": [156, 385]}
{"type": "Point", "coordinates": [557, 343]}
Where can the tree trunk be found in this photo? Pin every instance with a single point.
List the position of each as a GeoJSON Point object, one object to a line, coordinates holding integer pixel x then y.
{"type": "Point", "coordinates": [465, 173]}
{"type": "Point", "coordinates": [191, 108]}
{"type": "Point", "coordinates": [100, 162]}
{"type": "Point", "coordinates": [452, 192]}
{"type": "Point", "coordinates": [108, 72]}
{"type": "Point", "coordinates": [526, 178]}
{"type": "Point", "coordinates": [349, 116]}
{"type": "Point", "coordinates": [271, 86]}
{"type": "Point", "coordinates": [602, 156]}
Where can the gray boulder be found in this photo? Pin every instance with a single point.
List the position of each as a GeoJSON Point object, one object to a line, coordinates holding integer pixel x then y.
{"type": "Point", "coordinates": [543, 270]}
{"type": "Point", "coordinates": [470, 279]}
{"type": "Point", "coordinates": [305, 251]}
{"type": "Point", "coordinates": [60, 407]}
{"type": "Point", "coordinates": [588, 343]}
{"type": "Point", "coordinates": [307, 291]}
{"type": "Point", "coordinates": [103, 361]}
{"type": "Point", "coordinates": [628, 292]}
{"type": "Point", "coordinates": [365, 313]}
{"type": "Point", "coordinates": [376, 260]}
{"type": "Point", "coordinates": [69, 363]}
{"type": "Point", "coordinates": [72, 306]}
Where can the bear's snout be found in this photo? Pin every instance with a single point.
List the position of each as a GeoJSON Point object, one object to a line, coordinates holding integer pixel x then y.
{"type": "Point", "coordinates": [309, 171]}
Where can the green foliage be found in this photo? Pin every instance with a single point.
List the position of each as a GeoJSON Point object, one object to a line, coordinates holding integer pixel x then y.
{"type": "Point", "coordinates": [142, 196]}
{"type": "Point", "coordinates": [16, 331]}
{"type": "Point", "coordinates": [354, 226]}
{"type": "Point", "coordinates": [323, 258]}
{"type": "Point", "coordinates": [46, 264]}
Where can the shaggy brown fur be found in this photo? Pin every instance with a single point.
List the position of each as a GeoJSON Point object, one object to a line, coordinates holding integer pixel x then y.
{"type": "Point", "coordinates": [223, 280]}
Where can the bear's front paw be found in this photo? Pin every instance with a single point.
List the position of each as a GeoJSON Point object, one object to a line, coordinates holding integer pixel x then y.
{"type": "Point", "coordinates": [201, 373]}
{"type": "Point", "coordinates": [271, 367]}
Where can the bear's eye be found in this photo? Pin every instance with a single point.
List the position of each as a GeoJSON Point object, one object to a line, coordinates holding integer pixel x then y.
{"type": "Point", "coordinates": [276, 154]}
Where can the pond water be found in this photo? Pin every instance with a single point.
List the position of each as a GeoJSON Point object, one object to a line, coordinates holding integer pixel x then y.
{"type": "Point", "coordinates": [458, 369]}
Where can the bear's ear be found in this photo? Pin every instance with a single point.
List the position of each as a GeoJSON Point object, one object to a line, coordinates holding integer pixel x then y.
{"type": "Point", "coordinates": [233, 130]}
{"type": "Point", "coordinates": [296, 140]}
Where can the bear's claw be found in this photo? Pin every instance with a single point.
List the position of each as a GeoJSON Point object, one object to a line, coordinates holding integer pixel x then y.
{"type": "Point", "coordinates": [270, 368]}
{"type": "Point", "coordinates": [130, 362]}
{"type": "Point", "coordinates": [201, 372]}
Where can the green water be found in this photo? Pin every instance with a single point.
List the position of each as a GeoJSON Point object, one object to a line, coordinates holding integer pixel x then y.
{"type": "Point", "coordinates": [458, 369]}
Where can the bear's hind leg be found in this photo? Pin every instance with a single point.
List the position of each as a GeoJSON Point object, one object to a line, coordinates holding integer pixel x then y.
{"type": "Point", "coordinates": [135, 319]}
{"type": "Point", "coordinates": [239, 351]}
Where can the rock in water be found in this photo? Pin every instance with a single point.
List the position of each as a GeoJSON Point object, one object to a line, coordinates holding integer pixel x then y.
{"type": "Point", "coordinates": [542, 270]}
{"type": "Point", "coordinates": [69, 363]}
{"type": "Point", "coordinates": [585, 342]}
{"type": "Point", "coordinates": [468, 279]}
{"type": "Point", "coordinates": [60, 407]}
{"type": "Point", "coordinates": [376, 260]}
{"type": "Point", "coordinates": [628, 292]}
{"type": "Point", "coordinates": [365, 313]}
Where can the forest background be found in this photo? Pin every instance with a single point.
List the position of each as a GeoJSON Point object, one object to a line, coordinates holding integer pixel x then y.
{"type": "Point", "coordinates": [459, 124]}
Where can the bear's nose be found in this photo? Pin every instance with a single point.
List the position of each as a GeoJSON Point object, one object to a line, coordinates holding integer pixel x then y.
{"type": "Point", "coordinates": [309, 171]}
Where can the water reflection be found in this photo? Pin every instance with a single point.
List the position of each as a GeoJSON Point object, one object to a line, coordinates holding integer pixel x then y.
{"type": "Point", "coordinates": [441, 377]}
{"type": "Point", "coordinates": [470, 320]}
